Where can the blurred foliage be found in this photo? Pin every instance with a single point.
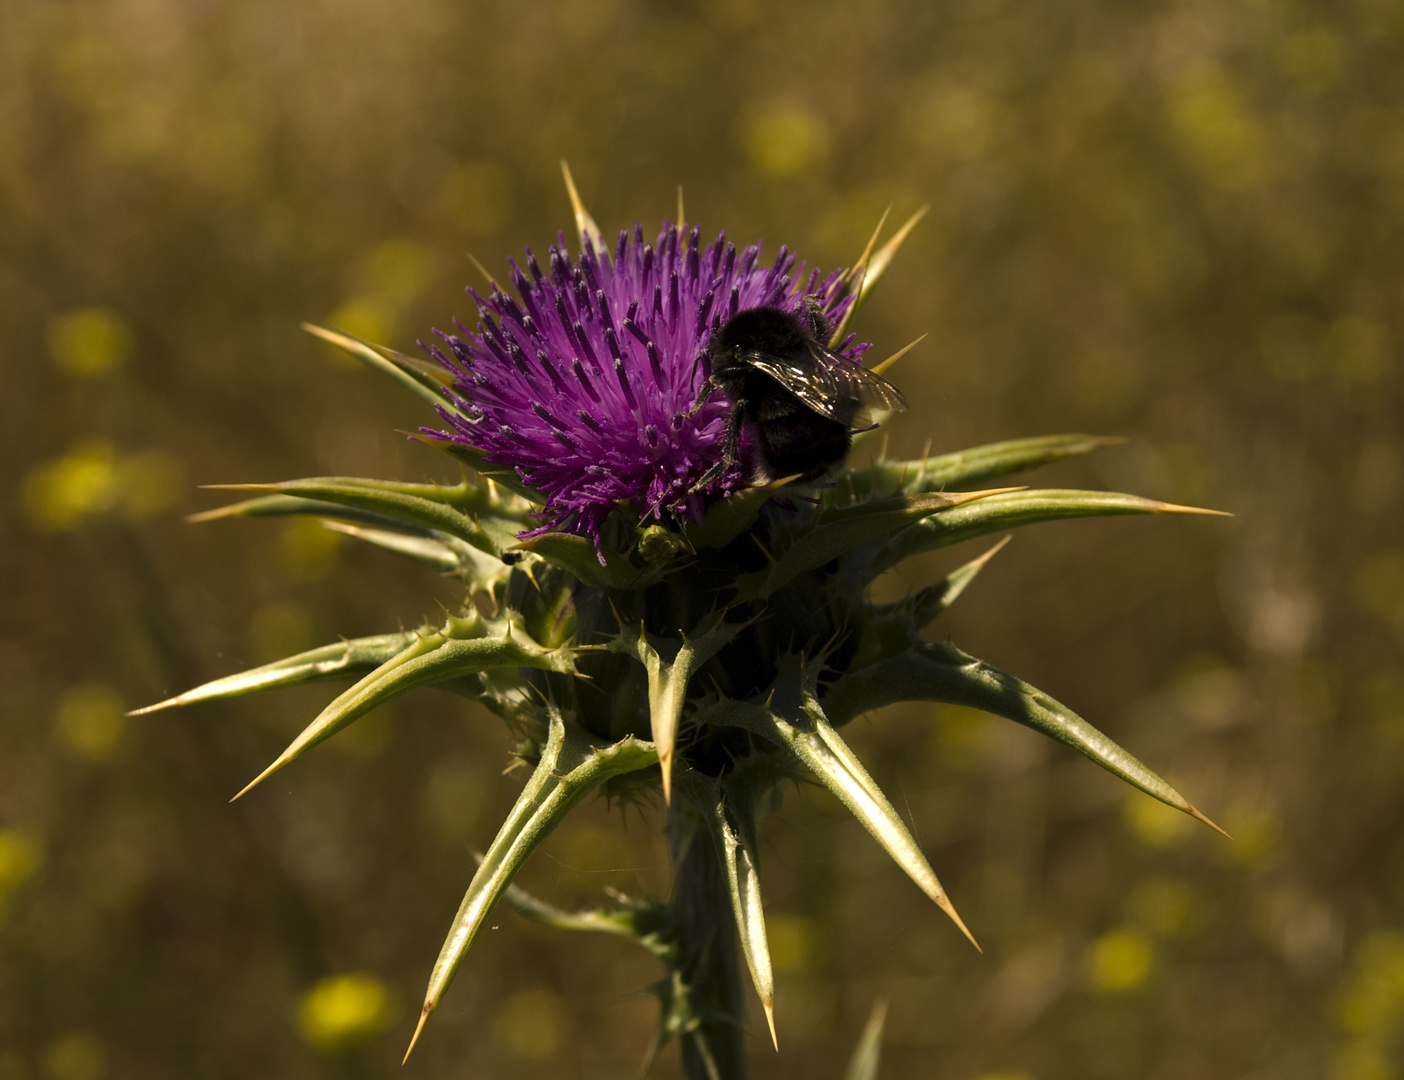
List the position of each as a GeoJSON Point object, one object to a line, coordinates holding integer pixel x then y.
{"type": "Point", "coordinates": [1180, 222]}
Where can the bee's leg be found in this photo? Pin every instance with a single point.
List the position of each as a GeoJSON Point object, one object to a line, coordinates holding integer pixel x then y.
{"type": "Point", "coordinates": [708, 388]}
{"type": "Point", "coordinates": [731, 446]}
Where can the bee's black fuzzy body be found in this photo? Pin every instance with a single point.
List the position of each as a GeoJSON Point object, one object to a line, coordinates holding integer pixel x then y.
{"type": "Point", "coordinates": [790, 437]}
{"type": "Point", "coordinates": [801, 401]}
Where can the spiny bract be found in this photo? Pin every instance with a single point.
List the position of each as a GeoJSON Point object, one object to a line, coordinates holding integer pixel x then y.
{"type": "Point", "coordinates": [633, 630]}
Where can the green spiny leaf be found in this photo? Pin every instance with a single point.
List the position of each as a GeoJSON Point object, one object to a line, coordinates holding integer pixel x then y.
{"type": "Point", "coordinates": [804, 730]}
{"type": "Point", "coordinates": [447, 554]}
{"type": "Point", "coordinates": [671, 663]}
{"type": "Point", "coordinates": [290, 505]}
{"type": "Point", "coordinates": [919, 609]}
{"type": "Point", "coordinates": [644, 922]}
{"type": "Point", "coordinates": [432, 659]}
{"type": "Point", "coordinates": [426, 381]}
{"type": "Point", "coordinates": [333, 661]}
{"type": "Point", "coordinates": [421, 549]}
{"type": "Point", "coordinates": [742, 788]}
{"type": "Point", "coordinates": [577, 554]}
{"type": "Point", "coordinates": [728, 518]}
{"type": "Point", "coordinates": [432, 546]}
{"type": "Point", "coordinates": [1010, 510]}
{"type": "Point", "coordinates": [402, 509]}
{"type": "Point", "coordinates": [571, 766]}
{"type": "Point", "coordinates": [888, 629]}
{"type": "Point", "coordinates": [471, 498]}
{"type": "Point", "coordinates": [931, 601]}
{"type": "Point", "coordinates": [980, 464]}
{"type": "Point", "coordinates": [977, 465]}
{"type": "Point", "coordinates": [841, 530]}
{"type": "Point", "coordinates": [477, 461]}
{"type": "Point", "coordinates": [730, 817]}
{"type": "Point", "coordinates": [941, 672]}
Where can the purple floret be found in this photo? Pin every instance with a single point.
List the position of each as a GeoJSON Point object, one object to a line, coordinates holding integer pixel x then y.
{"type": "Point", "coordinates": [578, 381]}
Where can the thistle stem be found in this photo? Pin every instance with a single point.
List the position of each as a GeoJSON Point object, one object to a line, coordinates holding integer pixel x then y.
{"type": "Point", "coordinates": [708, 946]}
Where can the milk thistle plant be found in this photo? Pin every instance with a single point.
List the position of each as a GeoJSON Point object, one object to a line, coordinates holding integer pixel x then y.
{"type": "Point", "coordinates": [645, 621]}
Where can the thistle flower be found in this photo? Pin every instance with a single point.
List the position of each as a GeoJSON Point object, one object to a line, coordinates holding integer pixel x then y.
{"type": "Point", "coordinates": [580, 385]}
{"type": "Point", "coordinates": [636, 632]}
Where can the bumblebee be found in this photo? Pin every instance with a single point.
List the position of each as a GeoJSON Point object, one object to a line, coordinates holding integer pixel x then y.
{"type": "Point", "coordinates": [801, 400]}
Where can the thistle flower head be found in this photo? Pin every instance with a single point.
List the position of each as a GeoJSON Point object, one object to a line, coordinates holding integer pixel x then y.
{"type": "Point", "coordinates": [579, 382]}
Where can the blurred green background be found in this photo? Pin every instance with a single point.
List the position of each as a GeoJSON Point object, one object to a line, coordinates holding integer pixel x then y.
{"type": "Point", "coordinates": [1176, 221]}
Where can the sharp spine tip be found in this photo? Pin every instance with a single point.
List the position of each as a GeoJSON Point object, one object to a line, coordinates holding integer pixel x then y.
{"type": "Point", "coordinates": [987, 556]}
{"type": "Point", "coordinates": [1177, 508]}
{"type": "Point", "coordinates": [878, 369]}
{"type": "Point", "coordinates": [584, 223]}
{"type": "Point", "coordinates": [944, 903]}
{"type": "Point", "coordinates": [153, 708]}
{"type": "Point", "coordinates": [1201, 817]}
{"type": "Point", "coordinates": [322, 332]}
{"type": "Point", "coordinates": [769, 1007]}
{"type": "Point", "coordinates": [260, 778]}
{"type": "Point", "coordinates": [423, 1017]}
{"type": "Point", "coordinates": [203, 516]}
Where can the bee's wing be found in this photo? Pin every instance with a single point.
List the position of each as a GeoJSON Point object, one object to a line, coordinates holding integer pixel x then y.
{"type": "Point", "coordinates": [809, 378]}
{"type": "Point", "coordinates": [859, 390]}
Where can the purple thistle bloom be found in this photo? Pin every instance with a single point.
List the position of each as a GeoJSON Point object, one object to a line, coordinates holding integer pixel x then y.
{"type": "Point", "coordinates": [579, 382]}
